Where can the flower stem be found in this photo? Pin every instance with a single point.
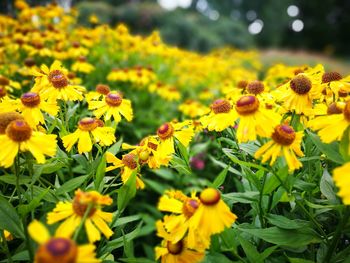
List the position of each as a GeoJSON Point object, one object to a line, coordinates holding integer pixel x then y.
{"type": "Point", "coordinates": [82, 222]}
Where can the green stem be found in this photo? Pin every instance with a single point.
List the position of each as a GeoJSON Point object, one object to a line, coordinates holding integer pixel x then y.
{"type": "Point", "coordinates": [261, 218]}
{"type": "Point", "coordinates": [6, 248]}
{"type": "Point", "coordinates": [337, 235]}
{"type": "Point", "coordinates": [82, 222]}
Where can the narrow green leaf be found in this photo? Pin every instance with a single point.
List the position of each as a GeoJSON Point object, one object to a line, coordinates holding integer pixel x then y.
{"type": "Point", "coordinates": [11, 179]}
{"type": "Point", "coordinates": [71, 185]}
{"type": "Point", "coordinates": [34, 203]}
{"type": "Point", "coordinates": [100, 173]}
{"type": "Point", "coordinates": [250, 250]}
{"type": "Point", "coordinates": [127, 192]}
{"type": "Point", "coordinates": [286, 223]}
{"type": "Point", "coordinates": [220, 179]}
{"type": "Point", "coordinates": [10, 219]}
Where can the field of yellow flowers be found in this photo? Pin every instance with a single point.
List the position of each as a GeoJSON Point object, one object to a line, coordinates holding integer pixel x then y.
{"type": "Point", "coordinates": [120, 148]}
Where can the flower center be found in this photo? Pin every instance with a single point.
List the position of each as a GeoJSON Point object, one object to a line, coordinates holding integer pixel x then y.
{"type": "Point", "coordinates": [113, 99]}
{"type": "Point", "coordinates": [80, 208]}
{"type": "Point", "coordinates": [30, 99]}
{"type": "Point", "coordinates": [19, 131]}
{"type": "Point", "coordinates": [165, 131]}
{"type": "Point", "coordinates": [4, 81]}
{"type": "Point", "coordinates": [298, 71]}
{"type": "Point", "coordinates": [283, 134]}
{"type": "Point", "coordinates": [247, 105]}
{"type": "Point", "coordinates": [301, 84]}
{"type": "Point", "coordinates": [342, 93]}
{"type": "Point", "coordinates": [242, 84]}
{"type": "Point", "coordinates": [189, 207]}
{"type": "Point", "coordinates": [331, 76]}
{"type": "Point", "coordinates": [210, 196]}
{"type": "Point", "coordinates": [129, 160]}
{"type": "Point", "coordinates": [255, 87]}
{"type": "Point", "coordinates": [71, 75]}
{"type": "Point", "coordinates": [175, 248]}
{"type": "Point", "coordinates": [29, 62]}
{"type": "Point", "coordinates": [87, 124]}
{"type": "Point", "coordinates": [334, 109]}
{"type": "Point", "coordinates": [144, 155]}
{"type": "Point", "coordinates": [6, 118]}
{"type": "Point", "coordinates": [347, 111]}
{"type": "Point", "coordinates": [58, 79]}
{"type": "Point", "coordinates": [221, 106]}
{"type": "Point", "coordinates": [102, 89]}
{"type": "Point", "coordinates": [3, 92]}
{"type": "Point", "coordinates": [82, 59]}
{"type": "Point", "coordinates": [57, 250]}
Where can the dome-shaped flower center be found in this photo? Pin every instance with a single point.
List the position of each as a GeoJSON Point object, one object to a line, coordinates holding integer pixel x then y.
{"type": "Point", "coordinates": [6, 118]}
{"type": "Point", "coordinates": [255, 87]}
{"type": "Point", "coordinates": [175, 248]}
{"type": "Point", "coordinates": [87, 124]}
{"type": "Point", "coordinates": [58, 79]}
{"type": "Point", "coordinates": [334, 109]}
{"type": "Point", "coordinates": [30, 99]}
{"type": "Point", "coordinates": [29, 62]}
{"type": "Point", "coordinates": [331, 76]}
{"type": "Point", "coordinates": [283, 134]}
{"type": "Point", "coordinates": [113, 99]}
{"type": "Point", "coordinates": [298, 71]}
{"type": "Point", "coordinates": [71, 75]}
{"type": "Point", "coordinates": [144, 155]}
{"type": "Point", "coordinates": [3, 92]}
{"type": "Point", "coordinates": [210, 196]}
{"type": "Point", "coordinates": [165, 131]}
{"type": "Point", "coordinates": [247, 105]}
{"type": "Point", "coordinates": [221, 106]}
{"type": "Point", "coordinates": [19, 131]}
{"type": "Point", "coordinates": [242, 84]}
{"type": "Point", "coordinates": [342, 93]}
{"type": "Point", "coordinates": [102, 89]}
{"type": "Point", "coordinates": [300, 84]}
{"type": "Point", "coordinates": [347, 111]}
{"type": "Point", "coordinates": [100, 123]}
{"type": "Point", "coordinates": [57, 250]}
{"type": "Point", "coordinates": [82, 59]}
{"type": "Point", "coordinates": [4, 81]}
{"type": "Point", "coordinates": [129, 160]}
{"type": "Point", "coordinates": [189, 207]}
{"type": "Point", "coordinates": [80, 208]}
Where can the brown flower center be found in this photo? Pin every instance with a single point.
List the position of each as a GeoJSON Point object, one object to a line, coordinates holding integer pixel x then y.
{"type": "Point", "coordinates": [165, 131]}
{"type": "Point", "coordinates": [242, 84]}
{"type": "Point", "coordinates": [3, 92]}
{"type": "Point", "coordinates": [342, 93]}
{"type": "Point", "coordinates": [29, 62]}
{"type": "Point", "coordinates": [347, 111]}
{"type": "Point", "coordinates": [57, 250]}
{"type": "Point", "coordinates": [300, 84]}
{"type": "Point", "coordinates": [283, 134]}
{"type": "Point", "coordinates": [4, 81]}
{"type": "Point", "coordinates": [113, 99]}
{"type": "Point", "coordinates": [6, 118]}
{"type": "Point", "coordinates": [210, 196]}
{"type": "Point", "coordinates": [255, 87]}
{"type": "Point", "coordinates": [247, 105]}
{"type": "Point", "coordinates": [129, 160]}
{"type": "Point", "coordinates": [221, 106]}
{"type": "Point", "coordinates": [30, 99]}
{"type": "Point", "coordinates": [298, 71]}
{"type": "Point", "coordinates": [189, 207]}
{"type": "Point", "coordinates": [103, 89]}
{"type": "Point", "coordinates": [87, 124]}
{"type": "Point", "coordinates": [80, 208]}
{"type": "Point", "coordinates": [18, 131]}
{"type": "Point", "coordinates": [58, 79]}
{"type": "Point", "coordinates": [71, 75]}
{"type": "Point", "coordinates": [334, 109]}
{"type": "Point", "coordinates": [175, 248]}
{"type": "Point", "coordinates": [331, 76]}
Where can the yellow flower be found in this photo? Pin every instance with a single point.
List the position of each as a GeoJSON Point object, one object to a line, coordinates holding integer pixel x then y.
{"type": "Point", "coordinates": [331, 127]}
{"type": "Point", "coordinates": [87, 128]}
{"type": "Point", "coordinates": [81, 65]}
{"type": "Point", "coordinates": [93, 19]}
{"type": "Point", "coordinates": [112, 104]}
{"type": "Point", "coordinates": [19, 137]}
{"type": "Point", "coordinates": [221, 116]}
{"type": "Point", "coordinates": [254, 119]}
{"type": "Point", "coordinates": [193, 108]}
{"type": "Point", "coordinates": [342, 181]}
{"type": "Point", "coordinates": [213, 215]}
{"type": "Point", "coordinates": [178, 253]}
{"type": "Point", "coordinates": [60, 248]}
{"type": "Point", "coordinates": [73, 212]}
{"type": "Point", "coordinates": [53, 84]}
{"type": "Point", "coordinates": [128, 165]}
{"type": "Point", "coordinates": [182, 131]}
{"type": "Point", "coordinates": [333, 84]}
{"type": "Point", "coordinates": [100, 90]}
{"type": "Point", "coordinates": [8, 84]}
{"type": "Point", "coordinates": [285, 142]}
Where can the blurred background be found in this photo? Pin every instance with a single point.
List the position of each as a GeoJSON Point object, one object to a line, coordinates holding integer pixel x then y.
{"type": "Point", "coordinates": [292, 29]}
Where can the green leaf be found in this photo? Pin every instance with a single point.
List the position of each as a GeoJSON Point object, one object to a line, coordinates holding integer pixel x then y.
{"type": "Point", "coordinates": [49, 168]}
{"type": "Point", "coordinates": [10, 219]}
{"type": "Point", "coordinates": [220, 179]}
{"type": "Point", "coordinates": [71, 185]}
{"type": "Point", "coordinates": [11, 179]}
{"type": "Point", "coordinates": [115, 148]}
{"type": "Point", "coordinates": [127, 192]}
{"type": "Point", "coordinates": [183, 152]}
{"type": "Point", "coordinates": [180, 165]}
{"type": "Point", "coordinates": [286, 223]}
{"type": "Point", "coordinates": [127, 219]}
{"type": "Point", "coordinates": [136, 260]}
{"type": "Point", "coordinates": [245, 198]}
{"type": "Point", "coordinates": [224, 165]}
{"type": "Point", "coordinates": [156, 186]}
{"type": "Point", "coordinates": [100, 173]}
{"type": "Point", "coordinates": [299, 260]}
{"type": "Point", "coordinates": [344, 145]}
{"type": "Point", "coordinates": [234, 159]}
{"type": "Point", "coordinates": [20, 256]}
{"type": "Point", "coordinates": [330, 150]}
{"type": "Point", "coordinates": [250, 251]}
{"type": "Point", "coordinates": [214, 257]}
{"type": "Point", "coordinates": [284, 237]}
{"type": "Point", "coordinates": [119, 242]}
{"type": "Point", "coordinates": [327, 187]}
{"type": "Point", "coordinates": [34, 203]}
